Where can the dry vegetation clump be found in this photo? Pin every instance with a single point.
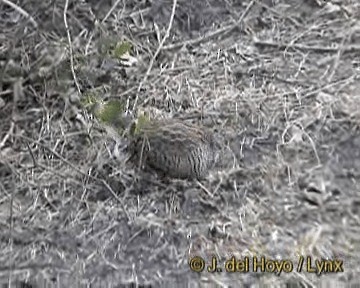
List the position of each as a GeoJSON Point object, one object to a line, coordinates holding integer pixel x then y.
{"type": "Point", "coordinates": [277, 81]}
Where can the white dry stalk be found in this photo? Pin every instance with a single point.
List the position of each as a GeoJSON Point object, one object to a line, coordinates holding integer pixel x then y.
{"type": "Point", "coordinates": [70, 47]}
{"type": "Point", "coordinates": [21, 11]}
{"type": "Point", "coordinates": [226, 29]}
{"type": "Point", "coordinates": [157, 52]}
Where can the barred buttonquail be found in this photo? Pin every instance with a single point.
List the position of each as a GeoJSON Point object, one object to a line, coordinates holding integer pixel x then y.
{"type": "Point", "coordinates": [169, 147]}
{"type": "Point", "coordinates": [172, 148]}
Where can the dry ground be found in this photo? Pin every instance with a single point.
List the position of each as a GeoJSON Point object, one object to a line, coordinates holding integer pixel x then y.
{"type": "Point", "coordinates": [278, 81]}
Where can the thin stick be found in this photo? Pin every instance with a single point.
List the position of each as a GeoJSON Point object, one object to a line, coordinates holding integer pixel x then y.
{"type": "Point", "coordinates": [7, 135]}
{"type": "Point", "coordinates": [110, 11]}
{"type": "Point", "coordinates": [70, 47]}
{"type": "Point", "coordinates": [346, 38]}
{"type": "Point", "coordinates": [16, 91]}
{"type": "Point", "coordinates": [108, 187]}
{"type": "Point", "coordinates": [59, 156]}
{"type": "Point", "coordinates": [22, 12]}
{"type": "Point", "coordinates": [157, 52]}
{"type": "Point", "coordinates": [220, 31]}
{"type": "Point", "coordinates": [11, 229]}
{"type": "Point", "coordinates": [319, 49]}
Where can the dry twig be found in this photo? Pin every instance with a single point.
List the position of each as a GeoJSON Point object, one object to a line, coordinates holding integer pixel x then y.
{"type": "Point", "coordinates": [22, 12]}
{"type": "Point", "coordinates": [70, 47]}
{"type": "Point", "coordinates": [318, 49]}
{"type": "Point", "coordinates": [157, 52]}
{"type": "Point", "coordinates": [224, 30]}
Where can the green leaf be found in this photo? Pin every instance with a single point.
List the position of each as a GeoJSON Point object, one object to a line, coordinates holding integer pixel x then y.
{"type": "Point", "coordinates": [89, 100]}
{"type": "Point", "coordinates": [121, 49]}
{"type": "Point", "coordinates": [111, 112]}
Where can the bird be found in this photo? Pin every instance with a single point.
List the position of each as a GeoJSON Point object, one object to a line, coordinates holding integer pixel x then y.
{"type": "Point", "coordinates": [173, 148]}
{"type": "Point", "coordinates": [170, 147]}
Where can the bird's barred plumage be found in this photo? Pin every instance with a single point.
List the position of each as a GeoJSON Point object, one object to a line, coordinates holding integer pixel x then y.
{"type": "Point", "coordinates": [173, 148]}
{"type": "Point", "coordinates": [170, 147]}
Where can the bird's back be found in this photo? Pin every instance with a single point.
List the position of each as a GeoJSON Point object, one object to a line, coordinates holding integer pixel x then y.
{"type": "Point", "coordinates": [175, 149]}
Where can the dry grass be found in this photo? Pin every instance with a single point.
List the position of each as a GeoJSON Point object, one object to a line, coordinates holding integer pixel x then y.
{"type": "Point", "coordinates": [278, 82]}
